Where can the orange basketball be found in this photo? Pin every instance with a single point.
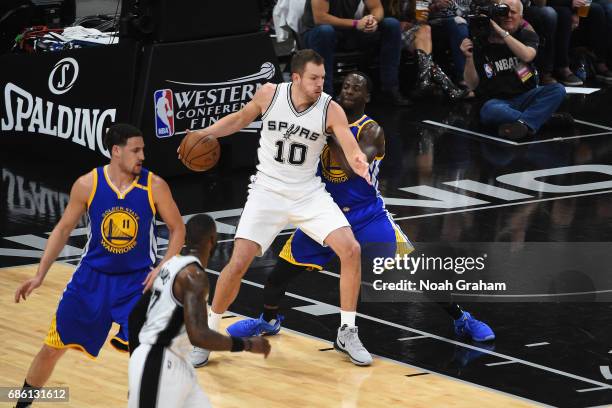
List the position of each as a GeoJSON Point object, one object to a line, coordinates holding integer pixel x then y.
{"type": "Point", "coordinates": [199, 153]}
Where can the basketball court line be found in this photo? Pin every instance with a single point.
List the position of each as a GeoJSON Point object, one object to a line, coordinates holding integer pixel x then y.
{"type": "Point", "coordinates": [600, 385]}
{"type": "Point", "coordinates": [510, 142]}
{"type": "Point", "coordinates": [423, 370]}
{"type": "Point", "coordinates": [507, 359]}
{"type": "Point", "coordinates": [487, 207]}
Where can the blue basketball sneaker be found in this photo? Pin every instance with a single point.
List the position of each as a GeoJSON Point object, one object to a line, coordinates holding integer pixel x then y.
{"type": "Point", "coordinates": [255, 327]}
{"type": "Point", "coordinates": [466, 325]}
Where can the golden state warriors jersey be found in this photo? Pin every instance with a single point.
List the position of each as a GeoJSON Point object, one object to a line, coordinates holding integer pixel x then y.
{"type": "Point", "coordinates": [353, 192]}
{"type": "Point", "coordinates": [122, 234]}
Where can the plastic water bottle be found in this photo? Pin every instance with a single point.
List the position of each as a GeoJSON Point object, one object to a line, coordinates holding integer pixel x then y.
{"type": "Point", "coordinates": [581, 70]}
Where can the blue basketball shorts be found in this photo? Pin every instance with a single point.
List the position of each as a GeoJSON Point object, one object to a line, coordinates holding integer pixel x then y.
{"type": "Point", "coordinates": [90, 304]}
{"type": "Point", "coordinates": [375, 231]}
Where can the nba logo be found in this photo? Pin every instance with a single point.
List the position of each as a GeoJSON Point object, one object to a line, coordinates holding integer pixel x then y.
{"type": "Point", "coordinates": [164, 113]}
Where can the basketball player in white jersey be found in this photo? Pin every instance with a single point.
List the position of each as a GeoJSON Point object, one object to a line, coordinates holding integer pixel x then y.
{"type": "Point", "coordinates": [169, 319]}
{"type": "Point", "coordinates": [297, 117]}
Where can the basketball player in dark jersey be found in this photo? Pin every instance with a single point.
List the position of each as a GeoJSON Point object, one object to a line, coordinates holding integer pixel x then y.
{"type": "Point", "coordinates": [121, 200]}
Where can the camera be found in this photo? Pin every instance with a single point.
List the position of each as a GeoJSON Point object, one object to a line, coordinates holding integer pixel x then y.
{"type": "Point", "coordinates": [481, 11]}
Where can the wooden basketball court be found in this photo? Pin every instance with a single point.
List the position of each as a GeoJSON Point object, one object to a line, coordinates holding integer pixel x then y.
{"type": "Point", "coordinates": [299, 371]}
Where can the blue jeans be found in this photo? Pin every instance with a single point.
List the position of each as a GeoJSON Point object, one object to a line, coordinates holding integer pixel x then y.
{"type": "Point", "coordinates": [533, 108]}
{"type": "Point", "coordinates": [325, 39]}
{"type": "Point", "coordinates": [455, 33]}
{"type": "Point", "coordinates": [607, 6]}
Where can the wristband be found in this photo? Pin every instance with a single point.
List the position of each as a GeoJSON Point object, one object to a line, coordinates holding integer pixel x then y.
{"type": "Point", "coordinates": [355, 23]}
{"type": "Point", "coordinates": [238, 344]}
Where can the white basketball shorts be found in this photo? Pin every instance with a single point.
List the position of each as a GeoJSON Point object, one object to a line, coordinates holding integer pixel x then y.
{"type": "Point", "coordinates": [160, 378]}
{"type": "Point", "coordinates": [266, 213]}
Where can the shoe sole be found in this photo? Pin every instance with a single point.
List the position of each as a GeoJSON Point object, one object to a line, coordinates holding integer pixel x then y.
{"type": "Point", "coordinates": [603, 79]}
{"type": "Point", "coordinates": [200, 364]}
{"type": "Point", "coordinates": [488, 338]}
{"type": "Point", "coordinates": [356, 362]}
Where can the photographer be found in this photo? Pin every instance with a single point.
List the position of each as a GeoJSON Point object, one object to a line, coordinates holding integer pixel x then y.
{"type": "Point", "coordinates": [500, 67]}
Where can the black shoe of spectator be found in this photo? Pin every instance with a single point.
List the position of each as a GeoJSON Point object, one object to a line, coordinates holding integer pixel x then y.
{"type": "Point", "coordinates": [514, 131]}
{"type": "Point", "coordinates": [560, 120]}
{"type": "Point", "coordinates": [605, 77]}
{"type": "Point", "coordinates": [570, 80]}
{"type": "Point", "coordinates": [394, 97]}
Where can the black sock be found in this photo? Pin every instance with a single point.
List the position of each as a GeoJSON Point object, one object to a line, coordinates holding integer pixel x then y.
{"type": "Point", "coordinates": [269, 314]}
{"type": "Point", "coordinates": [452, 309]}
{"type": "Point", "coordinates": [25, 402]}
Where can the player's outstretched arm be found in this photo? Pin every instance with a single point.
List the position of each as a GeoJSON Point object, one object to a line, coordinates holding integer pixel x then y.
{"type": "Point", "coordinates": [338, 124]}
{"type": "Point", "coordinates": [169, 213]}
{"type": "Point", "coordinates": [77, 205]}
{"type": "Point", "coordinates": [191, 287]}
{"type": "Point", "coordinates": [371, 143]}
{"type": "Point", "coordinates": [236, 121]}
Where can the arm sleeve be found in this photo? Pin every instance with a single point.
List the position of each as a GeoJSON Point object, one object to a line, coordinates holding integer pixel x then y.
{"type": "Point", "coordinates": [529, 38]}
{"type": "Point", "coordinates": [137, 318]}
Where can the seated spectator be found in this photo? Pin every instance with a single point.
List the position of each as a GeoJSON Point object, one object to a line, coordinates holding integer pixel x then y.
{"type": "Point", "coordinates": [501, 68]}
{"type": "Point", "coordinates": [416, 38]}
{"type": "Point", "coordinates": [593, 28]}
{"type": "Point", "coordinates": [607, 6]}
{"type": "Point", "coordinates": [447, 19]}
{"type": "Point", "coordinates": [330, 25]}
{"type": "Point", "coordinates": [543, 18]}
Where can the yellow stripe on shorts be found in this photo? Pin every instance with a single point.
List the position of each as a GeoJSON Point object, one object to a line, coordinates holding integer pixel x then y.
{"type": "Point", "coordinates": [53, 340]}
{"type": "Point", "coordinates": [287, 255]}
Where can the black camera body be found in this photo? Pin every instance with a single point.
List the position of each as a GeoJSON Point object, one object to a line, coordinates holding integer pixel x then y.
{"type": "Point", "coordinates": [481, 11]}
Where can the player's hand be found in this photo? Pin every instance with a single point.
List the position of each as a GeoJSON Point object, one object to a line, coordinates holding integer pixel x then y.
{"type": "Point", "coordinates": [361, 167]}
{"type": "Point", "coordinates": [148, 282]}
{"type": "Point", "coordinates": [467, 48]}
{"type": "Point", "coordinates": [24, 290]}
{"type": "Point", "coordinates": [259, 345]}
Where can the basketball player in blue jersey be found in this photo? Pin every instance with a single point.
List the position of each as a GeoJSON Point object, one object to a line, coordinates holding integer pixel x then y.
{"type": "Point", "coordinates": [364, 209]}
{"type": "Point", "coordinates": [121, 201]}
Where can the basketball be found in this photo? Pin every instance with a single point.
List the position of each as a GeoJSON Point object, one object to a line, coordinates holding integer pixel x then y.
{"type": "Point", "coordinates": [199, 153]}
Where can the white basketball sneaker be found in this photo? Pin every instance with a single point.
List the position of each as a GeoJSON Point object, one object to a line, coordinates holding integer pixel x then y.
{"type": "Point", "coordinates": [199, 357]}
{"type": "Point", "coordinates": [348, 342]}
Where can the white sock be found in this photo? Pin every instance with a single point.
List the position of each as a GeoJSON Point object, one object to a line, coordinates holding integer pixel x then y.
{"type": "Point", "coordinates": [347, 318]}
{"type": "Point", "coordinates": [214, 320]}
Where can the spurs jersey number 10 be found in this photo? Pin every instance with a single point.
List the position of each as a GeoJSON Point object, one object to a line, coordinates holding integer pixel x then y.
{"type": "Point", "coordinates": [291, 141]}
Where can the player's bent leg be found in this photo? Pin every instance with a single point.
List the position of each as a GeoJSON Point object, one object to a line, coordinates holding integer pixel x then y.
{"type": "Point", "coordinates": [228, 283]}
{"type": "Point", "coordinates": [226, 290]}
{"type": "Point", "coordinates": [269, 322]}
{"type": "Point", "coordinates": [43, 364]}
{"type": "Point", "coordinates": [348, 250]}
